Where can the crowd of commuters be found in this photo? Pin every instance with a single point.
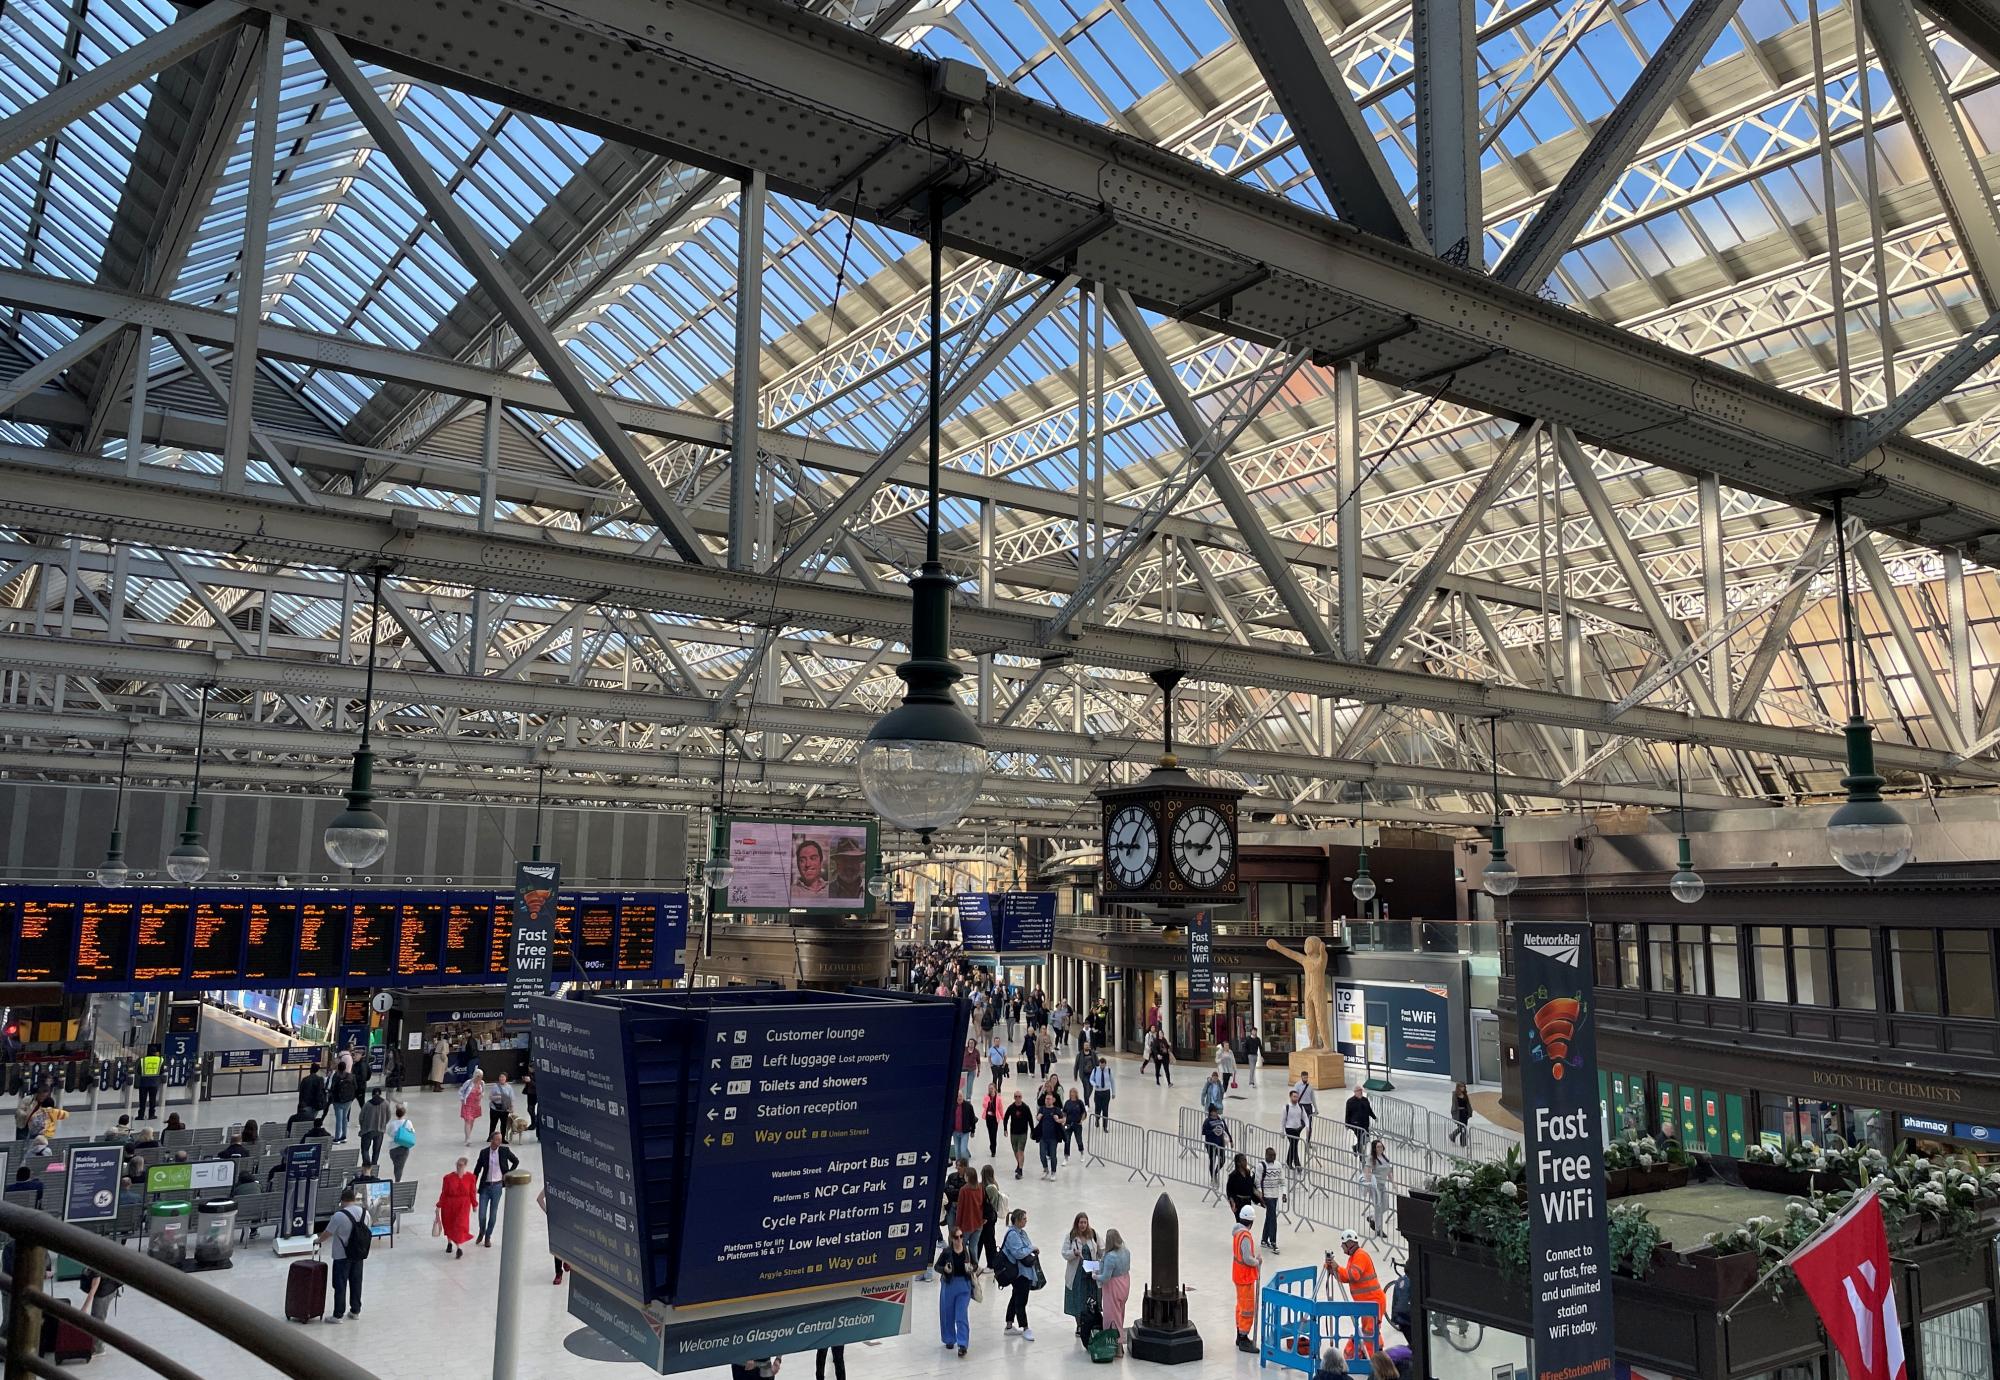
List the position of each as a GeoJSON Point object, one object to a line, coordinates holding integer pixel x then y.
{"type": "Point", "coordinates": [1010, 1085]}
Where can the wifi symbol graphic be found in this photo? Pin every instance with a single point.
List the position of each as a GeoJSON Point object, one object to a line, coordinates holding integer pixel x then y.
{"type": "Point", "coordinates": [1555, 1026]}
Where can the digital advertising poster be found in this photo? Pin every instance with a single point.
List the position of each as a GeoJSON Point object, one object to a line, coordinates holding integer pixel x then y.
{"type": "Point", "coordinates": [797, 865]}
{"type": "Point", "coordinates": [1569, 1239]}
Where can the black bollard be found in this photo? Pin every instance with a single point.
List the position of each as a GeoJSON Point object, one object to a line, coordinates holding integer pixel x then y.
{"type": "Point", "coordinates": [1164, 1333]}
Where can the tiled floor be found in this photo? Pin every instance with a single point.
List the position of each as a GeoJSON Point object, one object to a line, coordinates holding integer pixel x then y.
{"type": "Point", "coordinates": [430, 1317]}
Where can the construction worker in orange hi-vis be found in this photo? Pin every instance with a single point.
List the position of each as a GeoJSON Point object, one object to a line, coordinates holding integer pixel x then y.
{"type": "Point", "coordinates": [1244, 1265]}
{"type": "Point", "coordinates": [1357, 1272]}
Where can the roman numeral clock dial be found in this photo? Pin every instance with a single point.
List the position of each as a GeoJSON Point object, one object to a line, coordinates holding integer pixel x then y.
{"type": "Point", "coordinates": [1132, 846]}
{"type": "Point", "coordinates": [1203, 846]}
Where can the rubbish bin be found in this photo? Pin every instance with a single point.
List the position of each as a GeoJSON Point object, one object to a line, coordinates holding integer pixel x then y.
{"type": "Point", "coordinates": [215, 1233]}
{"type": "Point", "coordinates": [167, 1231]}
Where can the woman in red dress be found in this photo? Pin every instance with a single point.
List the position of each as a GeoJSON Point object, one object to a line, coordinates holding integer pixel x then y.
{"type": "Point", "coordinates": [454, 1208]}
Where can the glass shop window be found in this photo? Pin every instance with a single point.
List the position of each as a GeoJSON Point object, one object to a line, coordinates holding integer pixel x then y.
{"type": "Point", "coordinates": [1854, 969]}
{"type": "Point", "coordinates": [1913, 972]}
{"type": "Point", "coordinates": [1968, 975]}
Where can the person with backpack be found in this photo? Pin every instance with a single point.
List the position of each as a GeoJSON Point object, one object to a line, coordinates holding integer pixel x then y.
{"type": "Point", "coordinates": [402, 1140]}
{"type": "Point", "coordinates": [312, 1094]}
{"type": "Point", "coordinates": [341, 1092]}
{"type": "Point", "coordinates": [349, 1238]}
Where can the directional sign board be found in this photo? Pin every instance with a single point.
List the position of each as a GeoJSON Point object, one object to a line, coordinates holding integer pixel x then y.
{"type": "Point", "coordinates": [819, 1145]}
{"type": "Point", "coordinates": [586, 1123]}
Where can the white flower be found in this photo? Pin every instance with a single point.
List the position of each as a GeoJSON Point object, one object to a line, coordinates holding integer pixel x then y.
{"type": "Point", "coordinates": [1510, 1189]}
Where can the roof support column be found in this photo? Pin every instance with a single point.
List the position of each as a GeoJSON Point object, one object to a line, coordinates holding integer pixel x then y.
{"type": "Point", "coordinates": [743, 422]}
{"type": "Point", "coordinates": [1961, 644]}
{"type": "Point", "coordinates": [252, 259]}
{"type": "Point", "coordinates": [1448, 145]}
{"type": "Point", "coordinates": [1347, 515]}
{"type": "Point", "coordinates": [1714, 584]}
{"type": "Point", "coordinates": [1898, 619]}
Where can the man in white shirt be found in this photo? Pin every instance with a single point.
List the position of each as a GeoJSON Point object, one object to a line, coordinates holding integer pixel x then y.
{"type": "Point", "coordinates": [1271, 1189]}
{"type": "Point", "coordinates": [1102, 1089]}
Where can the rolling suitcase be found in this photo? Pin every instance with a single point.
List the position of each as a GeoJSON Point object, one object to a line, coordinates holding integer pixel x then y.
{"type": "Point", "coordinates": [1021, 1066]}
{"type": "Point", "coordinates": [72, 1344]}
{"type": "Point", "coordinates": [305, 1290]}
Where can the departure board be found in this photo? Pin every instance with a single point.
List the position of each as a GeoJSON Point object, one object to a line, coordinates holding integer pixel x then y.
{"type": "Point", "coordinates": [561, 951]}
{"type": "Point", "coordinates": [635, 935]}
{"type": "Point", "coordinates": [104, 940]}
{"type": "Point", "coordinates": [218, 940]}
{"type": "Point", "coordinates": [166, 938]}
{"type": "Point", "coordinates": [371, 937]}
{"type": "Point", "coordinates": [322, 927]}
{"type": "Point", "coordinates": [42, 953]}
{"type": "Point", "coordinates": [422, 934]}
{"type": "Point", "coordinates": [467, 925]}
{"type": "Point", "coordinates": [270, 926]}
{"type": "Point", "coordinates": [160, 954]}
{"type": "Point", "coordinates": [594, 928]}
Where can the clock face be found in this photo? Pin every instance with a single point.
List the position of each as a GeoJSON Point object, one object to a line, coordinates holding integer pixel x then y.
{"type": "Point", "coordinates": [1132, 847]}
{"type": "Point", "coordinates": [1203, 846]}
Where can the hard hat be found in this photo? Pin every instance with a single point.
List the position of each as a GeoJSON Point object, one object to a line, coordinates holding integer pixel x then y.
{"type": "Point", "coordinates": [1248, 1213]}
{"type": "Point", "coordinates": [1350, 1237]}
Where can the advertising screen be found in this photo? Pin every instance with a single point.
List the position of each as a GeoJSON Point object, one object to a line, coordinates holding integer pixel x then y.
{"type": "Point", "coordinates": [820, 865]}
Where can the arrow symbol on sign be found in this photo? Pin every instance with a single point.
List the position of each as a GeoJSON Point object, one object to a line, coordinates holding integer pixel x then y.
{"type": "Point", "coordinates": [715, 1087]}
{"type": "Point", "coordinates": [715, 1063]}
{"type": "Point", "coordinates": [708, 1140]}
{"type": "Point", "coordinates": [712, 1113]}
{"type": "Point", "coordinates": [927, 1157]}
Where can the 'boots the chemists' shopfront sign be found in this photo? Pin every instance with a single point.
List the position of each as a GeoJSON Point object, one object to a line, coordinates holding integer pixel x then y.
{"type": "Point", "coordinates": [1569, 1237]}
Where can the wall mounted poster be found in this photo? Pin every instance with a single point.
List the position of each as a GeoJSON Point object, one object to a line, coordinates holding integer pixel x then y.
{"type": "Point", "coordinates": [797, 865]}
{"type": "Point", "coordinates": [1569, 1241]}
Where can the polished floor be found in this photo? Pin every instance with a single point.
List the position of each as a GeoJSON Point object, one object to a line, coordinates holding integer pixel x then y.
{"type": "Point", "coordinates": [427, 1316]}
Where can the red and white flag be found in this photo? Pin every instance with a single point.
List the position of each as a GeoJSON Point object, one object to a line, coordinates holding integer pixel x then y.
{"type": "Point", "coordinates": [1845, 1272]}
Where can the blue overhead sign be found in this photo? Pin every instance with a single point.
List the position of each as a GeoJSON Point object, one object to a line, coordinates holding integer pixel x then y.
{"type": "Point", "coordinates": [819, 1146]}
{"type": "Point", "coordinates": [596, 1219]}
{"type": "Point", "coordinates": [1006, 921]}
{"type": "Point", "coordinates": [975, 922]}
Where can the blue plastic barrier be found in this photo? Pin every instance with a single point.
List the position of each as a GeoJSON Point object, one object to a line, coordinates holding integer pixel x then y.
{"type": "Point", "coordinates": [1294, 1325]}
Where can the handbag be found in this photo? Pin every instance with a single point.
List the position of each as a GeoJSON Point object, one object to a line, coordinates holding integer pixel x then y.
{"type": "Point", "coordinates": [406, 1135]}
{"type": "Point", "coordinates": [977, 1294]}
{"type": "Point", "coordinates": [1041, 1276]}
{"type": "Point", "coordinates": [437, 1224]}
{"type": "Point", "coordinates": [1005, 1272]}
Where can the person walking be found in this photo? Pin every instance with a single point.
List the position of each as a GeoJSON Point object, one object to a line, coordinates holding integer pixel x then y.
{"type": "Point", "coordinates": [1244, 1267]}
{"type": "Point", "coordinates": [348, 1237]}
{"type": "Point", "coordinates": [964, 1122]}
{"type": "Point", "coordinates": [1253, 1051]}
{"type": "Point", "coordinates": [955, 1266]}
{"type": "Point", "coordinates": [500, 1109]}
{"type": "Point", "coordinates": [374, 1125]}
{"type": "Point", "coordinates": [1240, 1188]}
{"type": "Point", "coordinates": [542, 1202]}
{"type": "Point", "coordinates": [489, 1177]}
{"type": "Point", "coordinates": [342, 1091]}
{"type": "Point", "coordinates": [472, 1102]}
{"type": "Point", "coordinates": [152, 1073]}
{"type": "Point", "coordinates": [1021, 1263]}
{"type": "Point", "coordinates": [531, 1098]}
{"type": "Point", "coordinates": [1294, 1121]}
{"type": "Point", "coordinates": [996, 1063]}
{"type": "Point", "coordinates": [1215, 1135]}
{"type": "Point", "coordinates": [402, 1140]}
{"type": "Point", "coordinates": [1086, 1058]}
{"type": "Point", "coordinates": [1212, 1093]}
{"type": "Point", "coordinates": [1049, 1134]}
{"type": "Point", "coordinates": [990, 1111]}
{"type": "Point", "coordinates": [1103, 1087]}
{"type": "Point", "coordinates": [969, 1210]}
{"type": "Point", "coordinates": [1309, 1099]}
{"type": "Point", "coordinates": [1271, 1193]}
{"type": "Point", "coordinates": [1080, 1300]}
{"type": "Point", "coordinates": [1075, 1115]}
{"type": "Point", "coordinates": [1114, 1284]}
{"type": "Point", "coordinates": [1461, 1114]}
{"type": "Point", "coordinates": [1225, 1064]}
{"type": "Point", "coordinates": [993, 1213]}
{"type": "Point", "coordinates": [1359, 1115]}
{"type": "Point", "coordinates": [1020, 1120]}
{"type": "Point", "coordinates": [1146, 1052]}
{"type": "Point", "coordinates": [1045, 1044]}
{"type": "Point", "coordinates": [1163, 1060]}
{"type": "Point", "coordinates": [1377, 1175]}
{"type": "Point", "coordinates": [968, 1068]}
{"type": "Point", "coordinates": [456, 1196]}
{"type": "Point", "coordinates": [839, 1354]}
{"type": "Point", "coordinates": [312, 1093]}
{"type": "Point", "coordinates": [440, 1052]}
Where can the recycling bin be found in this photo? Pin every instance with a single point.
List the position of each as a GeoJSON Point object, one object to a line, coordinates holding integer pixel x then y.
{"type": "Point", "coordinates": [215, 1233]}
{"type": "Point", "coordinates": [167, 1231]}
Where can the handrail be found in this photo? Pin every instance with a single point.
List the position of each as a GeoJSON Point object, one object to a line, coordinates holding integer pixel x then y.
{"type": "Point", "coordinates": [35, 1234]}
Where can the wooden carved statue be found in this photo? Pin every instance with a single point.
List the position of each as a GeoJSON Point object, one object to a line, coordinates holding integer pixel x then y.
{"type": "Point", "coordinates": [1313, 961]}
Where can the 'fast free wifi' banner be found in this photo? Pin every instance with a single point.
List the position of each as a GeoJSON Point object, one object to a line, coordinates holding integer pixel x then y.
{"type": "Point", "coordinates": [1569, 1234]}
